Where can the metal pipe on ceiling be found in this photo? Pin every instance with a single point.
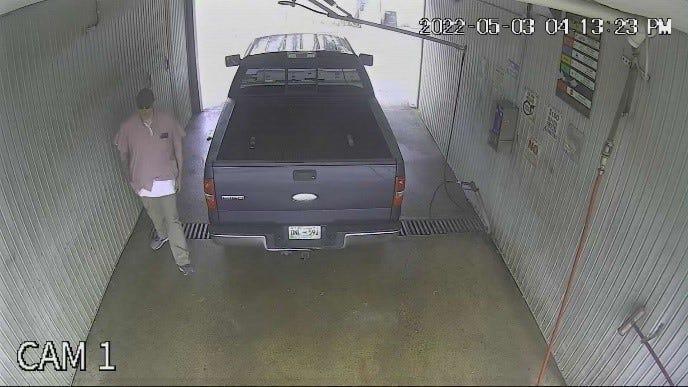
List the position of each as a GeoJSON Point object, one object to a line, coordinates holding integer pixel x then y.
{"type": "Point", "coordinates": [329, 12]}
{"type": "Point", "coordinates": [7, 6]}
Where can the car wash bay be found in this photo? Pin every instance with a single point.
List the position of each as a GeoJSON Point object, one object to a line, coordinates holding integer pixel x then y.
{"type": "Point", "coordinates": [456, 308]}
{"type": "Point", "coordinates": [410, 311]}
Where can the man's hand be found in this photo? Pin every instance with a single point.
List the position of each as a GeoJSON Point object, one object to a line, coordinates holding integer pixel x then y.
{"type": "Point", "coordinates": [124, 160]}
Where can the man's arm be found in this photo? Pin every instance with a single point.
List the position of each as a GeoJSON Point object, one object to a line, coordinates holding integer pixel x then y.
{"type": "Point", "coordinates": [122, 144]}
{"type": "Point", "coordinates": [124, 161]}
{"type": "Point", "coordinates": [178, 135]}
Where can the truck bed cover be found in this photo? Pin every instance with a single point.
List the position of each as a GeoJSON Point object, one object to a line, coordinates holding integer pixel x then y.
{"type": "Point", "coordinates": [301, 130]}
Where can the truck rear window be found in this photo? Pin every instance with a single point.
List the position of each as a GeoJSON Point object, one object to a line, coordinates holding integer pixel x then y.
{"type": "Point", "coordinates": [299, 77]}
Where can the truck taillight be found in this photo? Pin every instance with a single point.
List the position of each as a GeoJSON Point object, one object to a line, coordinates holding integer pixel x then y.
{"type": "Point", "coordinates": [399, 187]}
{"type": "Point", "coordinates": [209, 190]}
{"type": "Point", "coordinates": [399, 184]}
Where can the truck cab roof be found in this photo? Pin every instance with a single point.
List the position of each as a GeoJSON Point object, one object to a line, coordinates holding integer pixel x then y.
{"type": "Point", "coordinates": [287, 64]}
{"type": "Point", "coordinates": [299, 42]}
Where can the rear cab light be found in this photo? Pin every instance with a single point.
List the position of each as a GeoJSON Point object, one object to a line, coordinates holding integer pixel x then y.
{"type": "Point", "coordinates": [209, 190]}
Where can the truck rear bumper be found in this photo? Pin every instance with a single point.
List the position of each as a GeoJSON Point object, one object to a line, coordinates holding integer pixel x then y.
{"type": "Point", "coordinates": [275, 238]}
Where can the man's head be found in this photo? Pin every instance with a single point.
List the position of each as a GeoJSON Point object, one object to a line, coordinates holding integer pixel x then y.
{"type": "Point", "coordinates": [144, 102]}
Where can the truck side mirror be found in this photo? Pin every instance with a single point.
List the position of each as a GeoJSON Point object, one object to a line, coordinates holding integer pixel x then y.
{"type": "Point", "coordinates": [232, 60]}
{"type": "Point", "coordinates": [366, 59]}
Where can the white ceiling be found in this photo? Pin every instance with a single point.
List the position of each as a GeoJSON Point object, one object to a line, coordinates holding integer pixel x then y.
{"type": "Point", "coordinates": [677, 10]}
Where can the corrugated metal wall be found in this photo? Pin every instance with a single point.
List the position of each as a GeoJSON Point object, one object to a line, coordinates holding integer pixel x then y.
{"type": "Point", "coordinates": [638, 249]}
{"type": "Point", "coordinates": [68, 72]}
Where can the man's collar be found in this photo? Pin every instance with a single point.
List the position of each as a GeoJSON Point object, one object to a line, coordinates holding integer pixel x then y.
{"type": "Point", "coordinates": [152, 118]}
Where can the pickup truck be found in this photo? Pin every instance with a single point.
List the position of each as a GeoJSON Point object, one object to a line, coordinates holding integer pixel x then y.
{"type": "Point", "coordinates": [302, 157]}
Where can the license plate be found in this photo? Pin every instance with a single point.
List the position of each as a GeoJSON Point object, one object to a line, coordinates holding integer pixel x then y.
{"type": "Point", "coordinates": [304, 232]}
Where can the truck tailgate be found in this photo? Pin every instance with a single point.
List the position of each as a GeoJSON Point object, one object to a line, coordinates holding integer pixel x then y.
{"type": "Point", "coordinates": [304, 193]}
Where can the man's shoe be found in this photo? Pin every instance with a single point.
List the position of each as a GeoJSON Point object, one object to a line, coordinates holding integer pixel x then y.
{"type": "Point", "coordinates": [158, 242]}
{"type": "Point", "coordinates": [187, 269]}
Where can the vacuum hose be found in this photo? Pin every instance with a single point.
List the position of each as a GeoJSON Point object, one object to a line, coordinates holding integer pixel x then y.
{"type": "Point", "coordinates": [621, 111]}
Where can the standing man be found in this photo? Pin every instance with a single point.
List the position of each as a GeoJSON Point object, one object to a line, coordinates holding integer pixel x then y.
{"type": "Point", "coordinates": [150, 147]}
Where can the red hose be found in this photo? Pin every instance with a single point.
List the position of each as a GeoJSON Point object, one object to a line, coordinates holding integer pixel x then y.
{"type": "Point", "coordinates": [577, 260]}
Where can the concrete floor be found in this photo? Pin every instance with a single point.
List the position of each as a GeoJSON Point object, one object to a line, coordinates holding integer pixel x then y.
{"type": "Point", "coordinates": [420, 310]}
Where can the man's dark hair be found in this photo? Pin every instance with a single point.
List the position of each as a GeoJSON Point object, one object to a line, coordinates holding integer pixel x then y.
{"type": "Point", "coordinates": [145, 99]}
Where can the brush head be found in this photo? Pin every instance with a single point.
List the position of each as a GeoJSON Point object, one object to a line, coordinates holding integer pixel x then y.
{"type": "Point", "coordinates": [632, 319]}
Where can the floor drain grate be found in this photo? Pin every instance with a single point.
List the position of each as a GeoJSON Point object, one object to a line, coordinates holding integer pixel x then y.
{"type": "Point", "coordinates": [191, 231]}
{"type": "Point", "coordinates": [439, 226]}
{"type": "Point", "coordinates": [196, 230]}
{"type": "Point", "coordinates": [409, 227]}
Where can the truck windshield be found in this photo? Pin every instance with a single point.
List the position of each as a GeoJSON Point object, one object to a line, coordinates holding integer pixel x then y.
{"type": "Point", "coordinates": [297, 77]}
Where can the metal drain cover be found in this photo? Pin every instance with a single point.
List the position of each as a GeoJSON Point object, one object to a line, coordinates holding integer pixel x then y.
{"type": "Point", "coordinates": [191, 231]}
{"type": "Point", "coordinates": [409, 227]}
{"type": "Point", "coordinates": [196, 230]}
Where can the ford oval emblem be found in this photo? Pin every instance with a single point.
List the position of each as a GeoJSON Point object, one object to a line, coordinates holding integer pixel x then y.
{"type": "Point", "coordinates": [304, 197]}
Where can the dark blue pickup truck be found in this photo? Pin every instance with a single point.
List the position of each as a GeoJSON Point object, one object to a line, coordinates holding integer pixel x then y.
{"type": "Point", "coordinates": [302, 157]}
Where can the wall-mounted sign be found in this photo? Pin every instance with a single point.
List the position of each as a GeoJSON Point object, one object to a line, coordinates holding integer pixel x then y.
{"type": "Point", "coordinates": [532, 150]}
{"type": "Point", "coordinates": [529, 105]}
{"type": "Point", "coordinates": [580, 54]}
{"type": "Point", "coordinates": [552, 122]}
{"type": "Point", "coordinates": [574, 139]}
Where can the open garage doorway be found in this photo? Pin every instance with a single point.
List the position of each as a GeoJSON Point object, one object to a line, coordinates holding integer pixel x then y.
{"type": "Point", "coordinates": [228, 27]}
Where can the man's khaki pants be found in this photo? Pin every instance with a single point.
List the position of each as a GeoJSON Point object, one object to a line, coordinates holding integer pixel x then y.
{"type": "Point", "coordinates": [163, 213]}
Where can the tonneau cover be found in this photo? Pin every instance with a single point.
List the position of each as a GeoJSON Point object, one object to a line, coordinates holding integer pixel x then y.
{"type": "Point", "coordinates": [303, 129]}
